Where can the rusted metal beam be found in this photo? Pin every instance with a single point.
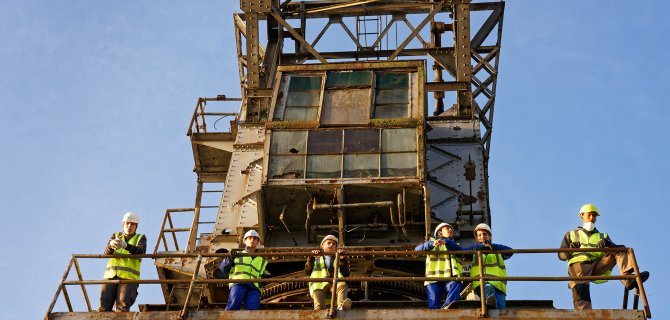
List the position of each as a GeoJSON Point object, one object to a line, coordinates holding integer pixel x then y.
{"type": "Point", "coordinates": [277, 15]}
{"type": "Point", "coordinates": [445, 86]}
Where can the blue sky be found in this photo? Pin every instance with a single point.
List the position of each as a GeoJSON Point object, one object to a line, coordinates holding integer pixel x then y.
{"type": "Point", "coordinates": [96, 99]}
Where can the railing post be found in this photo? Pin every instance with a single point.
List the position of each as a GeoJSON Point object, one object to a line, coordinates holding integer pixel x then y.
{"type": "Point", "coordinates": [640, 288]}
{"type": "Point", "coordinates": [482, 294]}
{"type": "Point", "coordinates": [184, 311]}
{"type": "Point", "coordinates": [83, 287]}
{"type": "Point", "coordinates": [60, 288]}
{"type": "Point", "coordinates": [161, 234]}
{"type": "Point", "coordinates": [190, 246]}
{"type": "Point", "coordinates": [333, 297]}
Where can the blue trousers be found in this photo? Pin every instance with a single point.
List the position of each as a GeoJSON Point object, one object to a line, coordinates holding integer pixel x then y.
{"type": "Point", "coordinates": [435, 290]}
{"type": "Point", "coordinates": [489, 290]}
{"type": "Point", "coordinates": [246, 293]}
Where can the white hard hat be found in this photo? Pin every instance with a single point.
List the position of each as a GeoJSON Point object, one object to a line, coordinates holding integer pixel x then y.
{"type": "Point", "coordinates": [131, 217]}
{"type": "Point", "coordinates": [251, 233]}
{"type": "Point", "coordinates": [482, 226]}
{"type": "Point", "coordinates": [440, 226]}
{"type": "Point", "coordinates": [330, 237]}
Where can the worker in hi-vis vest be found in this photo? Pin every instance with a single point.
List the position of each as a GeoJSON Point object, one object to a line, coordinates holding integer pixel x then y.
{"type": "Point", "coordinates": [493, 265]}
{"type": "Point", "coordinates": [442, 266]}
{"type": "Point", "coordinates": [593, 263]}
{"type": "Point", "coordinates": [128, 243]}
{"type": "Point", "coordinates": [323, 266]}
{"type": "Point", "coordinates": [241, 266]}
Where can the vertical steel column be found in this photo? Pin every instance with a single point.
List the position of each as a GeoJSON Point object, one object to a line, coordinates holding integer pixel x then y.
{"type": "Point", "coordinates": [463, 55]}
{"type": "Point", "coordinates": [253, 66]}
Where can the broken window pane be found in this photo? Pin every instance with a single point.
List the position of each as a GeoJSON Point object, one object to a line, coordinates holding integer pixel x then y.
{"type": "Point", "coordinates": [286, 167]}
{"type": "Point", "coordinates": [346, 106]}
{"type": "Point", "coordinates": [392, 80]}
{"type": "Point", "coordinates": [324, 166]}
{"type": "Point", "coordinates": [366, 140]}
{"type": "Point", "coordinates": [324, 141]}
{"type": "Point", "coordinates": [394, 140]}
{"type": "Point", "coordinates": [288, 142]}
{"type": "Point", "coordinates": [348, 79]}
{"type": "Point", "coordinates": [398, 164]}
{"type": "Point", "coordinates": [361, 165]}
{"type": "Point", "coordinates": [304, 83]}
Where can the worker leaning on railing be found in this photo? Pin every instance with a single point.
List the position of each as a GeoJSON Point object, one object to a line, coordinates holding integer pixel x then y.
{"type": "Point", "coordinates": [592, 263]}
{"type": "Point", "coordinates": [244, 267]}
{"type": "Point", "coordinates": [493, 264]}
{"type": "Point", "coordinates": [127, 242]}
{"type": "Point", "coordinates": [323, 266]}
{"type": "Point", "coordinates": [442, 266]}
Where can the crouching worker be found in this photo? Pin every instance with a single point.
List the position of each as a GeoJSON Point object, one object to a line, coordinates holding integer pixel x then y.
{"type": "Point", "coordinates": [442, 266]}
{"type": "Point", "coordinates": [323, 267]}
{"type": "Point", "coordinates": [593, 263]}
{"type": "Point", "coordinates": [125, 243]}
{"type": "Point", "coordinates": [494, 265]}
{"type": "Point", "coordinates": [244, 267]}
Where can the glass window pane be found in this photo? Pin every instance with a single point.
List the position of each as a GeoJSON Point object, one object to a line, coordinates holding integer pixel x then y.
{"type": "Point", "coordinates": [392, 80]}
{"type": "Point", "coordinates": [327, 166]}
{"type": "Point", "coordinates": [288, 142]}
{"type": "Point", "coordinates": [348, 79]}
{"type": "Point", "coordinates": [366, 140]}
{"type": "Point", "coordinates": [390, 111]}
{"type": "Point", "coordinates": [303, 99]}
{"type": "Point", "coordinates": [300, 113]}
{"type": "Point", "coordinates": [346, 106]}
{"type": "Point", "coordinates": [391, 96]}
{"type": "Point", "coordinates": [286, 167]}
{"type": "Point", "coordinates": [398, 164]}
{"type": "Point", "coordinates": [304, 83]}
{"type": "Point", "coordinates": [324, 141]}
{"type": "Point", "coordinates": [361, 165]}
{"type": "Point", "coordinates": [394, 140]}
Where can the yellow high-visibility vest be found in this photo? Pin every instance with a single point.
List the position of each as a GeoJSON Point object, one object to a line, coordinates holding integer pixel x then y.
{"type": "Point", "coordinates": [494, 265]}
{"type": "Point", "coordinates": [248, 268]}
{"type": "Point", "coordinates": [320, 271]}
{"type": "Point", "coordinates": [587, 242]}
{"type": "Point", "coordinates": [442, 265]}
{"type": "Point", "coordinates": [124, 268]}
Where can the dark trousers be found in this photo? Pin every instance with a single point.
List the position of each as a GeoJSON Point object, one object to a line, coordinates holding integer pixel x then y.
{"type": "Point", "coordinates": [123, 295]}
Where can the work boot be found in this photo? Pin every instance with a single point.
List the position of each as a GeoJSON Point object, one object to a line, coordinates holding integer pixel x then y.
{"type": "Point", "coordinates": [346, 304]}
{"type": "Point", "coordinates": [491, 301]}
{"type": "Point", "coordinates": [632, 284]}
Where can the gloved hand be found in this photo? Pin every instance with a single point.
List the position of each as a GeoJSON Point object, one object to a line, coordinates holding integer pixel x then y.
{"type": "Point", "coordinates": [122, 244]}
{"type": "Point", "coordinates": [575, 244]}
{"type": "Point", "coordinates": [114, 244]}
{"type": "Point", "coordinates": [602, 243]}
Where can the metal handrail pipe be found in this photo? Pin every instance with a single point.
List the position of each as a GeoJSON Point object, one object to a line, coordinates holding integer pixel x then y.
{"type": "Point", "coordinates": [349, 279]}
{"type": "Point", "coordinates": [349, 253]}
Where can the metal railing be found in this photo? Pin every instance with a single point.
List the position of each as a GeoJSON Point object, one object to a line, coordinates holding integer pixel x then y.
{"type": "Point", "coordinates": [198, 122]}
{"type": "Point", "coordinates": [62, 288]}
{"type": "Point", "coordinates": [168, 227]}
